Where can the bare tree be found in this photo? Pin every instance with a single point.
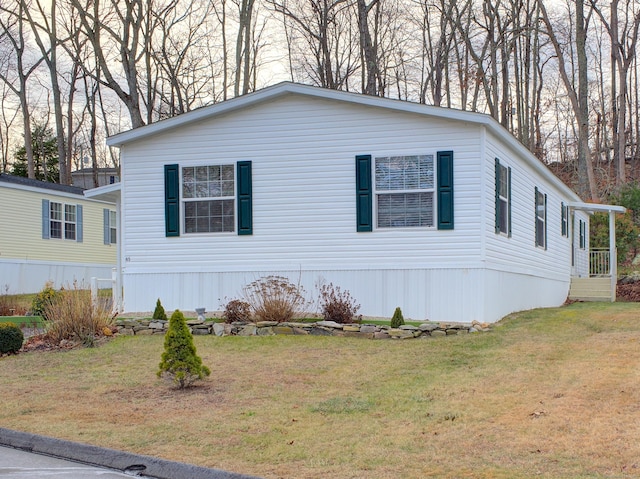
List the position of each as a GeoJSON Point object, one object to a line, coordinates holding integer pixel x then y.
{"type": "Point", "coordinates": [623, 52]}
{"type": "Point", "coordinates": [118, 26]}
{"type": "Point", "coordinates": [578, 95]}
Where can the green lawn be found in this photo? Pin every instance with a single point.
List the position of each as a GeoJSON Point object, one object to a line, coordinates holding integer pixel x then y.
{"type": "Point", "coordinates": [550, 393]}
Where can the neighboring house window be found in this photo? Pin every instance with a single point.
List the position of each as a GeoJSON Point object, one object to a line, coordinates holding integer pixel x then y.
{"type": "Point", "coordinates": [405, 188]}
{"type": "Point", "coordinates": [208, 194]}
{"type": "Point", "coordinates": [110, 226]}
{"type": "Point", "coordinates": [503, 198]}
{"type": "Point", "coordinates": [541, 219]}
{"type": "Point", "coordinates": [61, 221]}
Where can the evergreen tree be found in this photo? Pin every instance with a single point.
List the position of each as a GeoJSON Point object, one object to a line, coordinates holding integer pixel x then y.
{"type": "Point", "coordinates": [159, 312]}
{"type": "Point", "coordinates": [397, 320]}
{"type": "Point", "coordinates": [45, 156]}
{"type": "Point", "coordinates": [180, 362]}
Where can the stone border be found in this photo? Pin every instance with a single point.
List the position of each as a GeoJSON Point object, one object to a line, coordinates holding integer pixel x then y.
{"type": "Point", "coordinates": [132, 327]}
{"type": "Point", "coordinates": [133, 464]}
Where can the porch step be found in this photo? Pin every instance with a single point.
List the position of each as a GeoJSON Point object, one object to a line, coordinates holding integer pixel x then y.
{"type": "Point", "coordinates": [590, 289]}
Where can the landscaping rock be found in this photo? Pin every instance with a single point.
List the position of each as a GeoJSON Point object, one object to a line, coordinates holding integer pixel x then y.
{"type": "Point", "coordinates": [438, 332]}
{"type": "Point", "coordinates": [268, 331]}
{"type": "Point", "coordinates": [329, 324]}
{"type": "Point", "coordinates": [368, 328]}
{"type": "Point", "coordinates": [249, 330]}
{"type": "Point", "coordinates": [282, 330]}
{"type": "Point", "coordinates": [428, 327]}
{"type": "Point", "coordinates": [351, 327]}
{"type": "Point", "coordinates": [266, 324]}
{"type": "Point", "coordinates": [218, 329]}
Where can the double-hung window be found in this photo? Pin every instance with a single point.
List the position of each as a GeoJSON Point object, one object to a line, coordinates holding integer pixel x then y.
{"type": "Point", "coordinates": [405, 190]}
{"type": "Point", "coordinates": [62, 221]}
{"type": "Point", "coordinates": [208, 198]}
{"type": "Point", "coordinates": [541, 219]}
{"type": "Point", "coordinates": [503, 199]}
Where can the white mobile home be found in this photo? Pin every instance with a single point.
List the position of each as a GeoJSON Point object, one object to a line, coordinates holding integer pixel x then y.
{"type": "Point", "coordinates": [51, 232]}
{"type": "Point", "coordinates": [438, 211]}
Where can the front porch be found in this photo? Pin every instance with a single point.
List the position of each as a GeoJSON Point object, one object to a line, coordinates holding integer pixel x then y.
{"type": "Point", "coordinates": [600, 284]}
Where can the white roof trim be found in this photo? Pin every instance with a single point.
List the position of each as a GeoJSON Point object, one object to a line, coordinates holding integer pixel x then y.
{"type": "Point", "coordinates": [109, 193]}
{"type": "Point", "coordinates": [595, 207]}
{"type": "Point", "coordinates": [286, 88]}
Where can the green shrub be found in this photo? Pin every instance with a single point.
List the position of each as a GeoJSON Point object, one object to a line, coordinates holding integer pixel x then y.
{"type": "Point", "coordinates": [74, 316]}
{"type": "Point", "coordinates": [337, 305]}
{"type": "Point", "coordinates": [180, 363]}
{"type": "Point", "coordinates": [11, 338]}
{"type": "Point", "coordinates": [159, 312]}
{"type": "Point", "coordinates": [45, 298]}
{"type": "Point", "coordinates": [397, 320]}
{"type": "Point", "coordinates": [236, 310]}
{"type": "Point", "coordinates": [274, 298]}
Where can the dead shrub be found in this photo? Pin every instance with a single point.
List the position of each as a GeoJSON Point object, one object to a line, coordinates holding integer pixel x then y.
{"type": "Point", "coordinates": [9, 305]}
{"type": "Point", "coordinates": [337, 305]}
{"type": "Point", "coordinates": [72, 316]}
{"type": "Point", "coordinates": [236, 310]}
{"type": "Point", "coordinates": [275, 298]}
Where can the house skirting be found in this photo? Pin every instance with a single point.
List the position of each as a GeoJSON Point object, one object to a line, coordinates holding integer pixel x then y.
{"type": "Point", "coordinates": [30, 276]}
{"type": "Point", "coordinates": [459, 294]}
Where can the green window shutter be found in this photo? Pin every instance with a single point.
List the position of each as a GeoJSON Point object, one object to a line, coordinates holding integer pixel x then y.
{"type": "Point", "coordinates": [106, 233]}
{"type": "Point", "coordinates": [172, 200]}
{"type": "Point", "coordinates": [545, 221]}
{"type": "Point", "coordinates": [509, 203]}
{"type": "Point", "coordinates": [445, 190]}
{"type": "Point", "coordinates": [364, 194]}
{"type": "Point", "coordinates": [79, 232]}
{"type": "Point", "coordinates": [497, 196]}
{"type": "Point", "coordinates": [245, 200]}
{"type": "Point", "coordinates": [535, 213]}
{"type": "Point", "coordinates": [46, 234]}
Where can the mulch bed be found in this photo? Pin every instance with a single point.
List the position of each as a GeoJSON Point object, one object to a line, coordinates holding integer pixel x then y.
{"type": "Point", "coordinates": [628, 291]}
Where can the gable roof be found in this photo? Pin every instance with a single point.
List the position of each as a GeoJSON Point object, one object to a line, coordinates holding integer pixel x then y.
{"type": "Point", "coordinates": [289, 88]}
{"type": "Point", "coordinates": [19, 180]}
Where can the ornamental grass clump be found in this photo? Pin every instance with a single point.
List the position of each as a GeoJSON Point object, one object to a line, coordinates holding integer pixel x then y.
{"type": "Point", "coordinates": [275, 298]}
{"type": "Point", "coordinates": [397, 320]}
{"type": "Point", "coordinates": [74, 316]}
{"type": "Point", "coordinates": [180, 362]}
{"type": "Point", "coordinates": [337, 305]}
{"type": "Point", "coordinates": [11, 338]}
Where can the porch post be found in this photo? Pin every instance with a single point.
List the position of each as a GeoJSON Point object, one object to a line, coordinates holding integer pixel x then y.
{"type": "Point", "coordinates": [613, 255]}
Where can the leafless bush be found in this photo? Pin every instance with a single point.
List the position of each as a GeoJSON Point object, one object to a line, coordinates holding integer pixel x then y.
{"type": "Point", "coordinates": [9, 305]}
{"type": "Point", "coordinates": [275, 298]}
{"type": "Point", "coordinates": [337, 305]}
{"type": "Point", "coordinates": [236, 310]}
{"type": "Point", "coordinates": [73, 316]}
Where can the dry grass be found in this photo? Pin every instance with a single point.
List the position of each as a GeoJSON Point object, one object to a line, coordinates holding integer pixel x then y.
{"type": "Point", "coordinates": [549, 393]}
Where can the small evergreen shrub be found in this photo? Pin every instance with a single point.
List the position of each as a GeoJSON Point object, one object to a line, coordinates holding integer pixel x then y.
{"type": "Point", "coordinates": [397, 320]}
{"type": "Point", "coordinates": [337, 305]}
{"type": "Point", "coordinates": [275, 298]}
{"type": "Point", "coordinates": [45, 298]}
{"type": "Point", "coordinates": [236, 310]}
{"type": "Point", "coordinates": [180, 362]}
{"type": "Point", "coordinates": [159, 312]}
{"type": "Point", "coordinates": [11, 338]}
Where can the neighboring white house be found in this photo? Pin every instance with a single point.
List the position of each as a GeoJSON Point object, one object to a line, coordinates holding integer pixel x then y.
{"type": "Point", "coordinates": [51, 232]}
{"type": "Point", "coordinates": [84, 178]}
{"type": "Point", "coordinates": [438, 211]}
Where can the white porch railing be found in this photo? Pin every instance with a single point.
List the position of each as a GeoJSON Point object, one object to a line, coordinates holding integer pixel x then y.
{"type": "Point", "coordinates": [599, 262]}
